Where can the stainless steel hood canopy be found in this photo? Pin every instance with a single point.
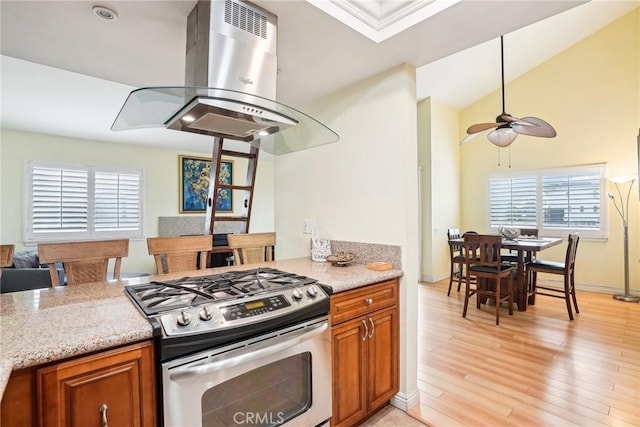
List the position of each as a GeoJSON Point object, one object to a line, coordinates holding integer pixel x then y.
{"type": "Point", "coordinates": [230, 84]}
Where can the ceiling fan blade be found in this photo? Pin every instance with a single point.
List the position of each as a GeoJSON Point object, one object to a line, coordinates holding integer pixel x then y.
{"type": "Point", "coordinates": [502, 137]}
{"type": "Point", "coordinates": [479, 127]}
{"type": "Point", "coordinates": [473, 135]}
{"type": "Point", "coordinates": [534, 126]}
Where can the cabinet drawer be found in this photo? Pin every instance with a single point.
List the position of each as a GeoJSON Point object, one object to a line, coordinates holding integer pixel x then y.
{"type": "Point", "coordinates": [350, 304]}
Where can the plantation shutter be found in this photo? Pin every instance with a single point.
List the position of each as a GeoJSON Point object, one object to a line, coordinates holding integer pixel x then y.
{"type": "Point", "coordinates": [511, 202]}
{"type": "Point", "coordinates": [571, 201]}
{"type": "Point", "coordinates": [59, 202]}
{"type": "Point", "coordinates": [117, 201]}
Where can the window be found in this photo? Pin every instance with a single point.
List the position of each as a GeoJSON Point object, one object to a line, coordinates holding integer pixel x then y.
{"type": "Point", "coordinates": [555, 201]}
{"type": "Point", "coordinates": [82, 202]}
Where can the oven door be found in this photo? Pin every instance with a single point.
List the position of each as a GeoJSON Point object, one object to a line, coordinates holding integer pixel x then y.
{"type": "Point", "coordinates": [279, 378]}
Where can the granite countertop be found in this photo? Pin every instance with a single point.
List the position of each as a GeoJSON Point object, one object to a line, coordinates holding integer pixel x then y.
{"type": "Point", "coordinates": [46, 325]}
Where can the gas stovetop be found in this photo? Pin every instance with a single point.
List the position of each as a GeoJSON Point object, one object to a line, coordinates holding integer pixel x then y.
{"type": "Point", "coordinates": [158, 297]}
{"type": "Point", "coordinates": [193, 313]}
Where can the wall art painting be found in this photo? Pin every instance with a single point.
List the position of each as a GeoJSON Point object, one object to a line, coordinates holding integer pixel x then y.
{"type": "Point", "coordinates": [194, 184]}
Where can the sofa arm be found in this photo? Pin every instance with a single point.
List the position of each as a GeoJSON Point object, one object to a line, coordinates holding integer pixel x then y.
{"type": "Point", "coordinates": [24, 279]}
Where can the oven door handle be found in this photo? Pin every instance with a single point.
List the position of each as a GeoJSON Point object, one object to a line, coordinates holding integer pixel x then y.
{"type": "Point", "coordinates": [248, 354]}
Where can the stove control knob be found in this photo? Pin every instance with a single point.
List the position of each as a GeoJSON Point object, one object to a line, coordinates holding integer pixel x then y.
{"type": "Point", "coordinates": [184, 319]}
{"type": "Point", "coordinates": [205, 314]}
{"type": "Point", "coordinates": [297, 294]}
{"type": "Point", "coordinates": [312, 292]}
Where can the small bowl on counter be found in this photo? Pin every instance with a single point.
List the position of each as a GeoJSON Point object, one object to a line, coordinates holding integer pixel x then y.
{"type": "Point", "coordinates": [341, 259]}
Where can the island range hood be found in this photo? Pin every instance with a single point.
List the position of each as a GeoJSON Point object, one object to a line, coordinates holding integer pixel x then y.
{"type": "Point", "coordinates": [230, 85]}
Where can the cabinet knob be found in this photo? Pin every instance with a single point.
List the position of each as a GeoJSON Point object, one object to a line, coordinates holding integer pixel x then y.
{"type": "Point", "coordinates": [369, 301]}
{"type": "Point", "coordinates": [103, 410]}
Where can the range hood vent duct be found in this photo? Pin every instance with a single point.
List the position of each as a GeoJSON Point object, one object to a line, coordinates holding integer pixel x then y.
{"type": "Point", "coordinates": [230, 85]}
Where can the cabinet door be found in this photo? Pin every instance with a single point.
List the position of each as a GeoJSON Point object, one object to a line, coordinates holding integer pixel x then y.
{"type": "Point", "coordinates": [19, 400]}
{"type": "Point", "coordinates": [383, 358]}
{"type": "Point", "coordinates": [349, 372]}
{"type": "Point", "coordinates": [116, 387]}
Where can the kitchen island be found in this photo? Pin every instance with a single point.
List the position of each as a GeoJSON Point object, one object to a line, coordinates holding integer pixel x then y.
{"type": "Point", "coordinates": [44, 326]}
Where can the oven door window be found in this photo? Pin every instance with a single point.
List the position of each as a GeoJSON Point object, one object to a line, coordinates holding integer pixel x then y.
{"type": "Point", "coordinates": [266, 396]}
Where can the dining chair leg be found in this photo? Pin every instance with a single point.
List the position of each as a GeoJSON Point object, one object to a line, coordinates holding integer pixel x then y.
{"type": "Point", "coordinates": [466, 299]}
{"type": "Point", "coordinates": [459, 276]}
{"type": "Point", "coordinates": [567, 296]}
{"type": "Point", "coordinates": [451, 280]}
{"type": "Point", "coordinates": [510, 289]}
{"type": "Point", "coordinates": [573, 293]}
{"type": "Point", "coordinates": [498, 301]}
{"type": "Point", "coordinates": [533, 277]}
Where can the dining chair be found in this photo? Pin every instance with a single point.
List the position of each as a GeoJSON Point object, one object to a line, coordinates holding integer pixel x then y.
{"type": "Point", "coordinates": [249, 248]}
{"type": "Point", "coordinates": [566, 269]}
{"type": "Point", "coordinates": [456, 271]}
{"type": "Point", "coordinates": [180, 253]}
{"type": "Point", "coordinates": [6, 256]}
{"type": "Point", "coordinates": [483, 261]}
{"type": "Point", "coordinates": [84, 262]}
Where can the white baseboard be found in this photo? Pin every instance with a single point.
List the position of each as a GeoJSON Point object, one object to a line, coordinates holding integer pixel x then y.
{"type": "Point", "coordinates": [404, 402]}
{"type": "Point", "coordinates": [591, 288]}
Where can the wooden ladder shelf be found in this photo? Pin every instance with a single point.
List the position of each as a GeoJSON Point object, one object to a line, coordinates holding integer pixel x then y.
{"type": "Point", "coordinates": [215, 185]}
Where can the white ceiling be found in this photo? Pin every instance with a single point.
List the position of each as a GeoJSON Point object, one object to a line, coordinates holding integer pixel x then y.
{"type": "Point", "coordinates": [66, 72]}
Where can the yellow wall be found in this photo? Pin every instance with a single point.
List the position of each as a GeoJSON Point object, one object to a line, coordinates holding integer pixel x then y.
{"type": "Point", "coordinates": [160, 168]}
{"type": "Point", "coordinates": [440, 184]}
{"type": "Point", "coordinates": [591, 94]}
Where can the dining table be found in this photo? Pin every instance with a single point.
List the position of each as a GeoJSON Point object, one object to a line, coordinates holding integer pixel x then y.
{"type": "Point", "coordinates": [525, 249]}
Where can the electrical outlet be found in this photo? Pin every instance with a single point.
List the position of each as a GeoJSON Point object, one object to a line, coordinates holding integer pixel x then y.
{"type": "Point", "coordinates": [309, 226]}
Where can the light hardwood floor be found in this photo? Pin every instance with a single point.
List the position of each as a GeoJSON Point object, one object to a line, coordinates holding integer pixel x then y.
{"type": "Point", "coordinates": [537, 368]}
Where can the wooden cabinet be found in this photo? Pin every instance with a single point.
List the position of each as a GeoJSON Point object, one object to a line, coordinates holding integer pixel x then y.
{"type": "Point", "coordinates": [72, 393]}
{"type": "Point", "coordinates": [365, 342]}
{"type": "Point", "coordinates": [115, 388]}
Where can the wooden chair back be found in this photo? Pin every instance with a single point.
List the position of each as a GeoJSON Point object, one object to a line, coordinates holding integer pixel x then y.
{"type": "Point", "coordinates": [529, 232]}
{"type": "Point", "coordinates": [570, 257]}
{"type": "Point", "coordinates": [454, 248]}
{"type": "Point", "coordinates": [6, 256]}
{"type": "Point", "coordinates": [483, 250]}
{"type": "Point", "coordinates": [456, 257]}
{"type": "Point", "coordinates": [180, 253]}
{"type": "Point", "coordinates": [84, 262]}
{"type": "Point", "coordinates": [252, 247]}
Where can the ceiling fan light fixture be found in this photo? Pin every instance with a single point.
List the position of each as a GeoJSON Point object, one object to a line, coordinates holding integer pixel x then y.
{"type": "Point", "coordinates": [502, 136]}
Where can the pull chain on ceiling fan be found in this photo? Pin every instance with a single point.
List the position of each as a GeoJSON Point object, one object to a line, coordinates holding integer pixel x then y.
{"type": "Point", "coordinates": [506, 127]}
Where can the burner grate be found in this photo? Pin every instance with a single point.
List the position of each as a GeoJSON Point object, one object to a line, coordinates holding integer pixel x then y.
{"type": "Point", "coordinates": [157, 297]}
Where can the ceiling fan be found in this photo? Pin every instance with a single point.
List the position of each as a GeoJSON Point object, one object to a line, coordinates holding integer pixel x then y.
{"type": "Point", "coordinates": [506, 127]}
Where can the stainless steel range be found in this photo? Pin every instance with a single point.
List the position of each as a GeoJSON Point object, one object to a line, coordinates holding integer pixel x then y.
{"type": "Point", "coordinates": [249, 347]}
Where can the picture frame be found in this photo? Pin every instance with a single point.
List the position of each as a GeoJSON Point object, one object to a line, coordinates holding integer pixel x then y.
{"type": "Point", "coordinates": [194, 184]}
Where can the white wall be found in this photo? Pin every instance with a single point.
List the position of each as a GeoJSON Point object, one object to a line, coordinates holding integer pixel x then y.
{"type": "Point", "coordinates": [362, 188]}
{"type": "Point", "coordinates": [161, 196]}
